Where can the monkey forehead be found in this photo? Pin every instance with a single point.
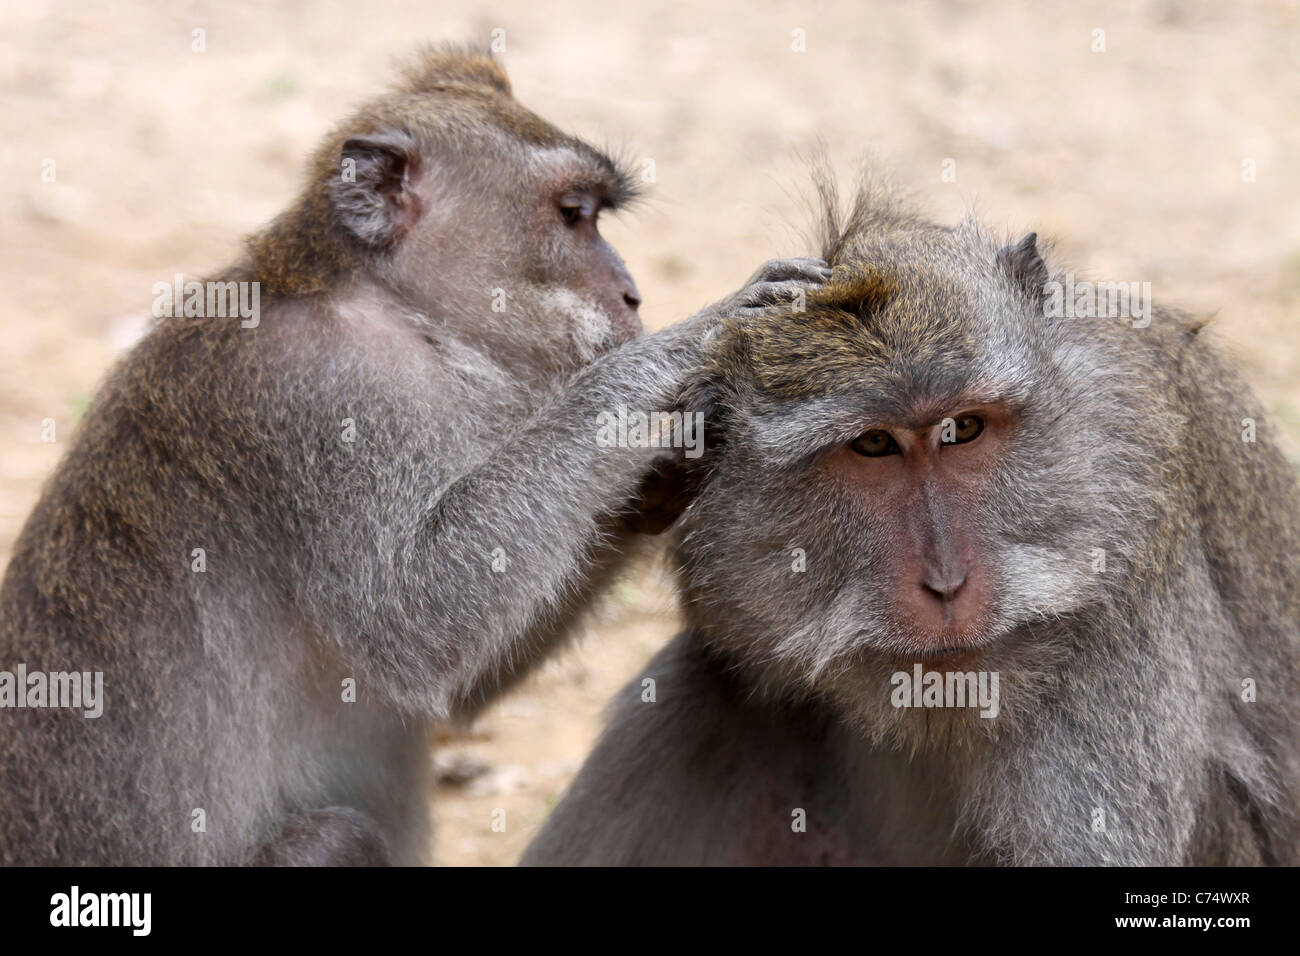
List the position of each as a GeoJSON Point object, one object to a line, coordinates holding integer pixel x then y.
{"type": "Point", "coordinates": [573, 163]}
{"type": "Point", "coordinates": [539, 152]}
{"type": "Point", "coordinates": [874, 349]}
{"type": "Point", "coordinates": [881, 335]}
{"type": "Point", "coordinates": [454, 118]}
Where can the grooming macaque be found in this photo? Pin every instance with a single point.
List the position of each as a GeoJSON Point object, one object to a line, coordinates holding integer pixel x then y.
{"type": "Point", "coordinates": [290, 544]}
{"type": "Point", "coordinates": [927, 473]}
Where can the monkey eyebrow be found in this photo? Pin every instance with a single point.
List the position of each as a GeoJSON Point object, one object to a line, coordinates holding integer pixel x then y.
{"type": "Point", "coordinates": [574, 165]}
{"type": "Point", "coordinates": [793, 433]}
{"type": "Point", "coordinates": [610, 178]}
{"type": "Point", "coordinates": [625, 190]}
{"type": "Point", "coordinates": [609, 188]}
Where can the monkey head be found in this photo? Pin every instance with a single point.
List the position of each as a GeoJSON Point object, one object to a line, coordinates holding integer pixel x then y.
{"type": "Point", "coordinates": [474, 211]}
{"type": "Point", "coordinates": [919, 467]}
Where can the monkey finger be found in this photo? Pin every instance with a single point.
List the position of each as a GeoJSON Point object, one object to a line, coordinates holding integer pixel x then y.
{"type": "Point", "coordinates": [757, 299]}
{"type": "Point", "coordinates": [807, 268]}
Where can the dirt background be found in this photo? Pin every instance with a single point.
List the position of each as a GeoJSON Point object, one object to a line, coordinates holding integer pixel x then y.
{"type": "Point", "coordinates": [1132, 158]}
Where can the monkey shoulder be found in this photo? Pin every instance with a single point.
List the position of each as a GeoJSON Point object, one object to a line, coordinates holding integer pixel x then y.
{"type": "Point", "coordinates": [693, 770]}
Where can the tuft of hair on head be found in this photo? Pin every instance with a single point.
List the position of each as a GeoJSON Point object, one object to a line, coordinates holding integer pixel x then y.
{"type": "Point", "coordinates": [878, 206]}
{"type": "Point", "coordinates": [862, 290]}
{"type": "Point", "coordinates": [437, 68]}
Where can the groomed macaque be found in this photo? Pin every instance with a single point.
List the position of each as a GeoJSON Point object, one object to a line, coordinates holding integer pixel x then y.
{"type": "Point", "coordinates": [1073, 528]}
{"type": "Point", "coordinates": [289, 540]}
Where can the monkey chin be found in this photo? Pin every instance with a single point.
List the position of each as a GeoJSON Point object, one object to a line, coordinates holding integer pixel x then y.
{"type": "Point", "coordinates": [862, 690]}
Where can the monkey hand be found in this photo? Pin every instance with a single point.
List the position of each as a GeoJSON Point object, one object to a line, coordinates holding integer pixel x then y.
{"type": "Point", "coordinates": [778, 282]}
{"type": "Point", "coordinates": [652, 371]}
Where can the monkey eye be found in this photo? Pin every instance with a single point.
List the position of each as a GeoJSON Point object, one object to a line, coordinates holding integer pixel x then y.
{"type": "Point", "coordinates": [876, 444]}
{"type": "Point", "coordinates": [574, 209]}
{"type": "Point", "coordinates": [966, 428]}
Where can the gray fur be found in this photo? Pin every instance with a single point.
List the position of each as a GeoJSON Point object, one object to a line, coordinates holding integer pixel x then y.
{"type": "Point", "coordinates": [328, 559]}
{"type": "Point", "coordinates": [1121, 691]}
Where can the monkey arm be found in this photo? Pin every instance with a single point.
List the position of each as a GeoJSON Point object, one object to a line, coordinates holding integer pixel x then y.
{"type": "Point", "coordinates": [441, 561]}
{"type": "Point", "coordinates": [460, 581]}
{"type": "Point", "coordinates": [507, 546]}
{"type": "Point", "coordinates": [437, 587]}
{"type": "Point", "coordinates": [552, 551]}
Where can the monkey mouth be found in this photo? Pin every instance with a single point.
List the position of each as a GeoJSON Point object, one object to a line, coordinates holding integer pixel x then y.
{"type": "Point", "coordinates": [952, 658]}
{"type": "Point", "coordinates": [940, 649]}
{"type": "Point", "coordinates": [907, 646]}
{"type": "Point", "coordinates": [624, 326]}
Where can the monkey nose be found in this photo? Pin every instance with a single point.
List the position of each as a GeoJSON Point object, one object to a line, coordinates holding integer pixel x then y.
{"type": "Point", "coordinates": [943, 587]}
{"type": "Point", "coordinates": [632, 297]}
{"type": "Point", "coordinates": [626, 321]}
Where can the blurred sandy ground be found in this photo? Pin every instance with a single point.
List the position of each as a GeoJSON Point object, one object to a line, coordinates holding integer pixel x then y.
{"type": "Point", "coordinates": [164, 158]}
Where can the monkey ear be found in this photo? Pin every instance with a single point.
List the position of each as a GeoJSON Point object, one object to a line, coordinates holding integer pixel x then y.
{"type": "Point", "coordinates": [1024, 266]}
{"type": "Point", "coordinates": [374, 196]}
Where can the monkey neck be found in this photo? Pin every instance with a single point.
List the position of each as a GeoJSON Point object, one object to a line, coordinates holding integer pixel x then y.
{"type": "Point", "coordinates": [459, 363]}
{"type": "Point", "coordinates": [297, 255]}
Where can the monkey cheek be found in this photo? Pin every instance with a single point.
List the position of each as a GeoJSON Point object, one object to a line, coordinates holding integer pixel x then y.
{"type": "Point", "coordinates": [596, 327]}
